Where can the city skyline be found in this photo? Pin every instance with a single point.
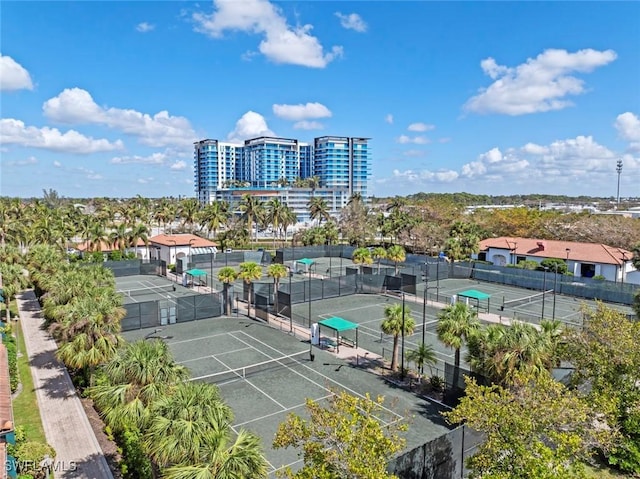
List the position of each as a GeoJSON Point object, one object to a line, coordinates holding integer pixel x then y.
{"type": "Point", "coordinates": [107, 99]}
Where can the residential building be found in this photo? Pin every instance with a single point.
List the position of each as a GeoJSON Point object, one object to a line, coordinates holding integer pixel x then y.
{"type": "Point", "coordinates": [583, 259]}
{"type": "Point", "coordinates": [171, 248]}
{"type": "Point", "coordinates": [268, 167]}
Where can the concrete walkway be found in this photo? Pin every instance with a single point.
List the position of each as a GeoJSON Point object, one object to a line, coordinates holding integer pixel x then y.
{"type": "Point", "coordinates": [68, 431]}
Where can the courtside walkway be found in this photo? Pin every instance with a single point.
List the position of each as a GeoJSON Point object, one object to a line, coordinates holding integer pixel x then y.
{"type": "Point", "coordinates": [78, 454]}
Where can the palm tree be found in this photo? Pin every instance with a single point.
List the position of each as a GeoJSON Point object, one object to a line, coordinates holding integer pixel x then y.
{"type": "Point", "coordinates": [215, 215]}
{"type": "Point", "coordinates": [138, 232]}
{"type": "Point", "coordinates": [119, 236]}
{"type": "Point", "coordinates": [318, 209]}
{"type": "Point", "coordinates": [90, 334]}
{"type": "Point", "coordinates": [137, 376]}
{"type": "Point", "coordinates": [277, 272]}
{"type": "Point", "coordinates": [393, 326]}
{"type": "Point", "coordinates": [184, 422]}
{"type": "Point", "coordinates": [276, 211]}
{"type": "Point", "coordinates": [456, 323]}
{"type": "Point", "coordinates": [313, 182]}
{"type": "Point", "coordinates": [379, 253]}
{"type": "Point", "coordinates": [396, 254]}
{"type": "Point", "coordinates": [226, 276]}
{"type": "Point", "coordinates": [252, 208]}
{"type": "Point", "coordinates": [188, 211]}
{"type": "Point", "coordinates": [289, 218]}
{"type": "Point", "coordinates": [250, 272]}
{"type": "Point", "coordinates": [223, 458]}
{"type": "Point", "coordinates": [362, 256]}
{"type": "Point", "coordinates": [425, 354]}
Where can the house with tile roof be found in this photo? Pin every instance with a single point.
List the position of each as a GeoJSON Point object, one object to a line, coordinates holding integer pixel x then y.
{"type": "Point", "coordinates": [171, 248]}
{"type": "Point", "coordinates": [583, 259]}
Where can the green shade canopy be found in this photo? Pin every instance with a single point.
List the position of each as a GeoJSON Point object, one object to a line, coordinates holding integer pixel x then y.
{"type": "Point", "coordinates": [306, 261]}
{"type": "Point", "coordinates": [339, 325]}
{"type": "Point", "coordinates": [196, 272]}
{"type": "Point", "coordinates": [474, 294]}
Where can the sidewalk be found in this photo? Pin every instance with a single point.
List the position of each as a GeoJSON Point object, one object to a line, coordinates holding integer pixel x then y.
{"type": "Point", "coordinates": [78, 454]}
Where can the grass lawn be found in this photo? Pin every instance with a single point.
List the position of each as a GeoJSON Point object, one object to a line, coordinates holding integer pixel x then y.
{"type": "Point", "coordinates": [25, 406]}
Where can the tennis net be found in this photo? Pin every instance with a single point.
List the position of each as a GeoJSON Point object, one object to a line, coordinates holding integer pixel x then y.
{"type": "Point", "coordinates": [283, 362]}
{"type": "Point", "coordinates": [150, 290]}
{"type": "Point", "coordinates": [514, 303]}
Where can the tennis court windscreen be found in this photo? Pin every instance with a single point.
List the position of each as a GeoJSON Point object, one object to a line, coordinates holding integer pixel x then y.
{"type": "Point", "coordinates": [245, 372]}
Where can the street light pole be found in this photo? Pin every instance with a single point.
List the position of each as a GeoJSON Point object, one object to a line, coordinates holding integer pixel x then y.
{"type": "Point", "coordinates": [424, 300]}
{"type": "Point", "coordinates": [555, 286]}
{"type": "Point", "coordinates": [309, 295]}
{"type": "Point", "coordinates": [624, 265]}
{"type": "Point", "coordinates": [402, 346]}
{"type": "Point", "coordinates": [544, 290]}
{"type": "Point", "coordinates": [619, 170]}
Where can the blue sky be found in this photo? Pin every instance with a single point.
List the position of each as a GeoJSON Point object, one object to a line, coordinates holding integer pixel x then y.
{"type": "Point", "coordinates": [107, 98]}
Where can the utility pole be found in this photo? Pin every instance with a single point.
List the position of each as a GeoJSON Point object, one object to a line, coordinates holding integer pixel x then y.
{"type": "Point", "coordinates": [619, 170]}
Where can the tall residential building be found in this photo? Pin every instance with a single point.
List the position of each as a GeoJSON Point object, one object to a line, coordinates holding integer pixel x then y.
{"type": "Point", "coordinates": [268, 167]}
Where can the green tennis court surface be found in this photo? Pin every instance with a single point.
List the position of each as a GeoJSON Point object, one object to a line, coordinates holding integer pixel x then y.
{"type": "Point", "coordinates": [567, 308]}
{"type": "Point", "coordinates": [264, 375]}
{"type": "Point", "coordinates": [141, 288]}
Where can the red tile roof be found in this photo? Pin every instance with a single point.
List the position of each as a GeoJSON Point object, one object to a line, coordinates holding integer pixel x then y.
{"type": "Point", "coordinates": [181, 240]}
{"type": "Point", "coordinates": [588, 252]}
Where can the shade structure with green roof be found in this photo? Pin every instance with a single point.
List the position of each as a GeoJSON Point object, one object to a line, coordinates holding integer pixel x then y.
{"type": "Point", "coordinates": [339, 325]}
{"type": "Point", "coordinates": [306, 262]}
{"type": "Point", "coordinates": [477, 296]}
{"type": "Point", "coordinates": [197, 273]}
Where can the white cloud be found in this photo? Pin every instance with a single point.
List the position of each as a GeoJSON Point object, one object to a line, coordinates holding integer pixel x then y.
{"type": "Point", "coordinates": [31, 160]}
{"type": "Point", "coordinates": [352, 21]}
{"type": "Point", "coordinates": [445, 139]}
{"type": "Point", "coordinates": [420, 127]}
{"type": "Point", "coordinates": [440, 176]}
{"type": "Point", "coordinates": [153, 159]}
{"type": "Point", "coordinates": [280, 43]}
{"type": "Point", "coordinates": [389, 118]}
{"type": "Point", "coordinates": [308, 125]}
{"type": "Point", "coordinates": [570, 160]}
{"type": "Point", "coordinates": [250, 125]}
{"type": "Point", "coordinates": [57, 164]}
{"type": "Point", "coordinates": [13, 76]}
{"type": "Point", "coordinates": [17, 133]}
{"type": "Point", "coordinates": [628, 126]}
{"type": "Point", "coordinates": [76, 106]}
{"type": "Point", "coordinates": [301, 111]}
{"type": "Point", "coordinates": [145, 27]}
{"type": "Point", "coordinates": [418, 140]}
{"type": "Point", "coordinates": [179, 165]}
{"type": "Point", "coordinates": [540, 84]}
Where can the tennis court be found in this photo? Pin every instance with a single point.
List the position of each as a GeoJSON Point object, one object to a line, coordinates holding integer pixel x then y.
{"type": "Point", "coordinates": [367, 310]}
{"type": "Point", "coordinates": [524, 304]}
{"type": "Point", "coordinates": [264, 375]}
{"type": "Point", "coordinates": [141, 288]}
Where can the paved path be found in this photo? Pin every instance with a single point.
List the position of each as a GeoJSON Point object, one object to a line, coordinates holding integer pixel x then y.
{"type": "Point", "coordinates": [78, 454]}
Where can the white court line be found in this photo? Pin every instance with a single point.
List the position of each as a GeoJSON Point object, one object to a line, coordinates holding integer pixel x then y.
{"type": "Point", "coordinates": [212, 355]}
{"type": "Point", "coordinates": [280, 412]}
{"type": "Point", "coordinates": [198, 339]}
{"type": "Point", "coordinates": [250, 384]}
{"type": "Point", "coordinates": [327, 378]}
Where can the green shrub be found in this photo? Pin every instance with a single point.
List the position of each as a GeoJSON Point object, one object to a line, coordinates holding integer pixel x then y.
{"type": "Point", "coordinates": [12, 356]}
{"type": "Point", "coordinates": [29, 455]}
{"type": "Point", "coordinates": [134, 464]}
{"type": "Point", "coordinates": [599, 277]}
